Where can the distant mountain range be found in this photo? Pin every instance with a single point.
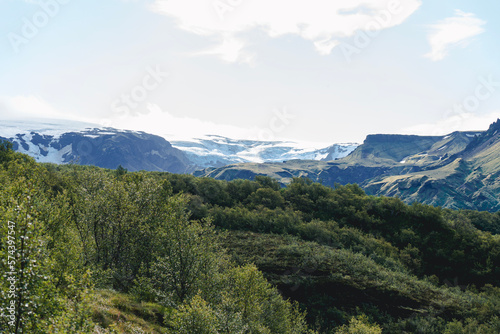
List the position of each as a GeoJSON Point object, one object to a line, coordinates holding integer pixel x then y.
{"type": "Point", "coordinates": [460, 170]}
{"type": "Point", "coordinates": [217, 151]}
{"type": "Point", "coordinates": [64, 142]}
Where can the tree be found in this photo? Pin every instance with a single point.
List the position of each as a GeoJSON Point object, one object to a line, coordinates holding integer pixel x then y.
{"type": "Point", "coordinates": [245, 303]}
{"type": "Point", "coordinates": [267, 182]}
{"type": "Point", "coordinates": [359, 325]}
{"type": "Point", "coordinates": [267, 197]}
{"type": "Point", "coordinates": [188, 257]}
{"type": "Point", "coordinates": [28, 293]}
{"type": "Point", "coordinates": [262, 309]}
{"type": "Point", "coordinates": [6, 151]}
{"type": "Point", "coordinates": [115, 220]}
{"type": "Point", "coordinates": [120, 171]}
{"type": "Point", "coordinates": [196, 317]}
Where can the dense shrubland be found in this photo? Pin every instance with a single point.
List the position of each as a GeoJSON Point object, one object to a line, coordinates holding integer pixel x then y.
{"type": "Point", "coordinates": [110, 251]}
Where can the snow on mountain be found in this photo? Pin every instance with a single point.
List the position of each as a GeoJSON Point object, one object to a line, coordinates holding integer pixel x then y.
{"type": "Point", "coordinates": [38, 138]}
{"type": "Point", "coordinates": [217, 151]}
{"type": "Point", "coordinates": [62, 142]}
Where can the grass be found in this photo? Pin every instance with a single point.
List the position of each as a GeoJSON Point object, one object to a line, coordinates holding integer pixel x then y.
{"type": "Point", "coordinates": [111, 309]}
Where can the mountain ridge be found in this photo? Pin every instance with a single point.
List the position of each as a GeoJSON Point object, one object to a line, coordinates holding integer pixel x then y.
{"type": "Point", "coordinates": [60, 142]}
{"type": "Point", "coordinates": [218, 151]}
{"type": "Point", "coordinates": [105, 148]}
{"type": "Point", "coordinates": [459, 170]}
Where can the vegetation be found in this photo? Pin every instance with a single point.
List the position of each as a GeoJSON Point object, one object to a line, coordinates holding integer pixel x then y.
{"type": "Point", "coordinates": [89, 250]}
{"type": "Point", "coordinates": [457, 171]}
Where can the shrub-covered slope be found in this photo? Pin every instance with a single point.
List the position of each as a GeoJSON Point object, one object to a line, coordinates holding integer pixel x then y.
{"type": "Point", "coordinates": [116, 251]}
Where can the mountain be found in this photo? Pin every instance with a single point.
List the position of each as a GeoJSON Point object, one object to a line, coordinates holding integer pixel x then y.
{"type": "Point", "coordinates": [379, 155]}
{"type": "Point", "coordinates": [423, 151]}
{"type": "Point", "coordinates": [73, 142]}
{"type": "Point", "coordinates": [459, 170]}
{"type": "Point", "coordinates": [217, 151]}
{"type": "Point", "coordinates": [465, 179]}
{"type": "Point", "coordinates": [63, 142]}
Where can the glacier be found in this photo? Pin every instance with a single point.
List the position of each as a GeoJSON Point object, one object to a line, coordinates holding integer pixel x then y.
{"type": "Point", "coordinates": [45, 140]}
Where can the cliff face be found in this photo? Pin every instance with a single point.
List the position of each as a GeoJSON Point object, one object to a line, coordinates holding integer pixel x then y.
{"type": "Point", "coordinates": [391, 148]}
{"type": "Point", "coordinates": [107, 148]}
{"type": "Point", "coordinates": [464, 179]}
{"type": "Point", "coordinates": [460, 170]}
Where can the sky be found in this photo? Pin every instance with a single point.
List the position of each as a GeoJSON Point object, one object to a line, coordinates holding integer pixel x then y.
{"type": "Point", "coordinates": [316, 71]}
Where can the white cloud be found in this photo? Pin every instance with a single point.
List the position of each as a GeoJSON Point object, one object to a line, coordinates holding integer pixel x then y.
{"type": "Point", "coordinates": [322, 22]}
{"type": "Point", "coordinates": [160, 122]}
{"type": "Point", "coordinates": [230, 50]}
{"type": "Point", "coordinates": [153, 120]}
{"type": "Point", "coordinates": [453, 31]}
{"type": "Point", "coordinates": [457, 122]}
{"type": "Point", "coordinates": [18, 107]}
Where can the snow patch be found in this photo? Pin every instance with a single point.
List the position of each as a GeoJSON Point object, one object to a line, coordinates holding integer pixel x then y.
{"type": "Point", "coordinates": [209, 149]}
{"type": "Point", "coordinates": [51, 155]}
{"type": "Point", "coordinates": [206, 151]}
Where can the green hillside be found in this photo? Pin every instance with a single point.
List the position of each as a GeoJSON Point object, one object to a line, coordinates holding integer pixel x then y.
{"type": "Point", "coordinates": [110, 251]}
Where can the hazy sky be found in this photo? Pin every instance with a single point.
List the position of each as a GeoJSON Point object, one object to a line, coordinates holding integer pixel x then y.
{"type": "Point", "coordinates": [317, 70]}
